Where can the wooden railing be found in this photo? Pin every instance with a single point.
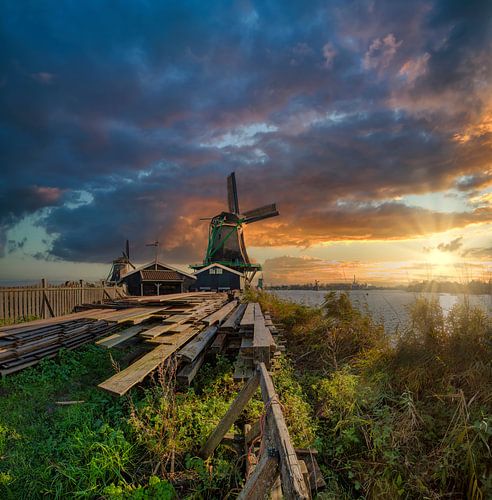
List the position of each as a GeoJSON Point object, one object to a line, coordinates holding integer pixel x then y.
{"type": "Point", "coordinates": [47, 301]}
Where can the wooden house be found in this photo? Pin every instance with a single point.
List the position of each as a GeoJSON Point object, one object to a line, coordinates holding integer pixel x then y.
{"type": "Point", "coordinates": [157, 278]}
{"type": "Point", "coordinates": [218, 277]}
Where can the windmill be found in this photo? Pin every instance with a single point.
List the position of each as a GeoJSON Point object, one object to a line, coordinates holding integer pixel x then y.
{"type": "Point", "coordinates": [120, 266]}
{"type": "Point", "coordinates": [225, 236]}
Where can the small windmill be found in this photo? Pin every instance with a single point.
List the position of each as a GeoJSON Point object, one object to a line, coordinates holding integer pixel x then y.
{"type": "Point", "coordinates": [225, 236]}
{"type": "Point", "coordinates": [121, 265]}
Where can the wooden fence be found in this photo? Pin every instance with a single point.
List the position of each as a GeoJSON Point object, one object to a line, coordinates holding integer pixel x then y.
{"type": "Point", "coordinates": [48, 301]}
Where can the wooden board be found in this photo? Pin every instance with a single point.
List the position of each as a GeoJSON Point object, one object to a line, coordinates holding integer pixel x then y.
{"type": "Point", "coordinates": [293, 485]}
{"type": "Point", "coordinates": [119, 337]}
{"type": "Point", "coordinates": [221, 314]}
{"type": "Point", "coordinates": [198, 345]}
{"type": "Point", "coordinates": [233, 320]}
{"type": "Point", "coordinates": [123, 381]}
{"type": "Point", "coordinates": [248, 318]}
{"type": "Point", "coordinates": [188, 372]}
{"type": "Point", "coordinates": [218, 343]}
{"type": "Point", "coordinates": [263, 343]}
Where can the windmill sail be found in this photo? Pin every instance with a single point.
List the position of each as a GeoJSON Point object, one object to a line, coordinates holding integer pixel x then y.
{"type": "Point", "coordinates": [226, 243]}
{"type": "Point", "coordinates": [232, 194]}
{"type": "Point", "coordinates": [260, 213]}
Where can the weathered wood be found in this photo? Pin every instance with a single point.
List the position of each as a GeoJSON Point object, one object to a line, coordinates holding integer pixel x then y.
{"type": "Point", "coordinates": [188, 372]}
{"type": "Point", "coordinates": [44, 300]}
{"type": "Point", "coordinates": [253, 432]}
{"type": "Point", "coordinates": [260, 482]}
{"type": "Point", "coordinates": [243, 368]}
{"type": "Point", "coordinates": [293, 485]}
{"type": "Point", "coordinates": [119, 337]}
{"type": "Point", "coordinates": [219, 315]}
{"type": "Point", "coordinates": [232, 322]}
{"type": "Point", "coordinates": [316, 480]}
{"type": "Point", "coordinates": [123, 381]}
{"type": "Point", "coordinates": [238, 405]}
{"type": "Point", "coordinates": [263, 343]}
{"type": "Point", "coordinates": [193, 349]}
{"type": "Point", "coordinates": [248, 318]}
{"type": "Point", "coordinates": [218, 343]}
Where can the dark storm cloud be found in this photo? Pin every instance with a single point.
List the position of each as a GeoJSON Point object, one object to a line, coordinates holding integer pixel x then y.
{"type": "Point", "coordinates": [331, 109]}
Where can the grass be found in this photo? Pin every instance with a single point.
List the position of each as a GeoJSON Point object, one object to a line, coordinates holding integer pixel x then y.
{"type": "Point", "coordinates": [406, 419]}
{"type": "Point", "coordinates": [409, 419]}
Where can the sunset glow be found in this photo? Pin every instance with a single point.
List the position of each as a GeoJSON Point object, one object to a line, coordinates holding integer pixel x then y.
{"type": "Point", "coordinates": [369, 123]}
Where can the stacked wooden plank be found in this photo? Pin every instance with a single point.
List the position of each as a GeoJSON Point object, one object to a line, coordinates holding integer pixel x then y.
{"type": "Point", "coordinates": [26, 344]}
{"type": "Point", "coordinates": [171, 334]}
{"type": "Point", "coordinates": [257, 343]}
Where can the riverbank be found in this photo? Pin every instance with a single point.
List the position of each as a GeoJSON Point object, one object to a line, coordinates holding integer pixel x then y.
{"type": "Point", "coordinates": [388, 307]}
{"type": "Point", "coordinates": [410, 419]}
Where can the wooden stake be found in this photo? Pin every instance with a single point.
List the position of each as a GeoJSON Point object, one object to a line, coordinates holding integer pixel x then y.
{"type": "Point", "coordinates": [238, 405]}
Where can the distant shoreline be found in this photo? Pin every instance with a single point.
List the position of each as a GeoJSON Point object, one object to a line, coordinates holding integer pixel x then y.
{"type": "Point", "coordinates": [471, 288]}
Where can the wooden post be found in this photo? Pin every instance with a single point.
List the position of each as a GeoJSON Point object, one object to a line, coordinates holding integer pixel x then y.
{"type": "Point", "coordinates": [43, 306]}
{"type": "Point", "coordinates": [245, 394]}
{"type": "Point", "coordinates": [81, 283]}
{"type": "Point", "coordinates": [293, 485]}
{"type": "Point", "coordinates": [261, 480]}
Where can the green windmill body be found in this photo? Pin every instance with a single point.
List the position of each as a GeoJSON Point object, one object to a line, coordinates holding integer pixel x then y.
{"type": "Point", "coordinates": [225, 236]}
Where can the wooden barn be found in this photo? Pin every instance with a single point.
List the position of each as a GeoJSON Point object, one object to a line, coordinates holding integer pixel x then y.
{"type": "Point", "coordinates": [218, 277]}
{"type": "Point", "coordinates": [157, 278]}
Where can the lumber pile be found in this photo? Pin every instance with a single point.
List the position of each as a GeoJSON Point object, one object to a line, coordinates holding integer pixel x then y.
{"type": "Point", "coordinates": [192, 326]}
{"type": "Point", "coordinates": [110, 325]}
{"type": "Point", "coordinates": [26, 345]}
{"type": "Point", "coordinates": [257, 343]}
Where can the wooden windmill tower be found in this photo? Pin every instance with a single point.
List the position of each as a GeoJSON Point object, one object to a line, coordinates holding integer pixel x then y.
{"type": "Point", "coordinates": [225, 236]}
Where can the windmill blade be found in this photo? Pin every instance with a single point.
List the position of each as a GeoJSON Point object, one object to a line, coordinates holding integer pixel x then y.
{"type": "Point", "coordinates": [127, 249]}
{"type": "Point", "coordinates": [232, 194]}
{"type": "Point", "coordinates": [260, 213]}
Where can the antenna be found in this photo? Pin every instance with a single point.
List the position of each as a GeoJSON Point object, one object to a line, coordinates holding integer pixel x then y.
{"type": "Point", "coordinates": [156, 245]}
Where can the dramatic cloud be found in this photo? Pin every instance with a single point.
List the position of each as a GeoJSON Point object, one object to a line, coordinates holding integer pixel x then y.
{"type": "Point", "coordinates": [123, 122]}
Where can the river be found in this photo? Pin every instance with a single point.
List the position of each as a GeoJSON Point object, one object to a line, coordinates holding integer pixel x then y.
{"type": "Point", "coordinates": [389, 307]}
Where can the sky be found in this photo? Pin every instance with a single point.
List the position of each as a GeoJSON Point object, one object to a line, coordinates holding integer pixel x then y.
{"type": "Point", "coordinates": [369, 123]}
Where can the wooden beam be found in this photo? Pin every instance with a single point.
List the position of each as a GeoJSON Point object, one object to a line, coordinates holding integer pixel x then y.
{"type": "Point", "coordinates": [253, 432]}
{"type": "Point", "coordinates": [263, 342]}
{"type": "Point", "coordinates": [293, 485]}
{"type": "Point", "coordinates": [259, 484]}
{"type": "Point", "coordinates": [238, 405]}
{"type": "Point", "coordinates": [248, 319]}
{"type": "Point", "coordinates": [119, 337]}
{"type": "Point", "coordinates": [123, 381]}
{"type": "Point", "coordinates": [192, 350]}
{"type": "Point", "coordinates": [186, 375]}
{"type": "Point", "coordinates": [233, 320]}
{"type": "Point", "coordinates": [218, 343]}
{"type": "Point", "coordinates": [219, 315]}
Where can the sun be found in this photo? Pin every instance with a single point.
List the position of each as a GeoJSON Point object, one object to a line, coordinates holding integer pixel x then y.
{"type": "Point", "coordinates": [440, 260]}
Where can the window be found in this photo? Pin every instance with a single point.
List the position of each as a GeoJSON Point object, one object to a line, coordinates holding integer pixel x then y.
{"type": "Point", "coordinates": [215, 270]}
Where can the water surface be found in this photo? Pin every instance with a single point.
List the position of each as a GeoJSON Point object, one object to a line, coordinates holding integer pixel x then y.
{"type": "Point", "coordinates": [389, 307]}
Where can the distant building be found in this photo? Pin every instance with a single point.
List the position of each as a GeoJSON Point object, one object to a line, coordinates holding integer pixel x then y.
{"type": "Point", "coordinates": [218, 277]}
{"type": "Point", "coordinates": [157, 278]}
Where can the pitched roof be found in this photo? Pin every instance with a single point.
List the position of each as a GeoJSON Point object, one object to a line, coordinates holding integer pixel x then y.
{"type": "Point", "coordinates": [216, 264]}
{"type": "Point", "coordinates": [160, 275]}
{"type": "Point", "coordinates": [159, 263]}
